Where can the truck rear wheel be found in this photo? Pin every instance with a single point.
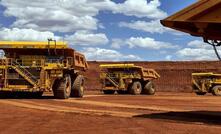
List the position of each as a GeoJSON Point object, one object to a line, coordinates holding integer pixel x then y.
{"type": "Point", "coordinates": [109, 91]}
{"type": "Point", "coordinates": [136, 88]}
{"type": "Point", "coordinates": [4, 94]}
{"type": "Point", "coordinates": [62, 87]}
{"type": "Point", "coordinates": [216, 90]}
{"type": "Point", "coordinates": [77, 89]}
{"type": "Point", "coordinates": [149, 88]}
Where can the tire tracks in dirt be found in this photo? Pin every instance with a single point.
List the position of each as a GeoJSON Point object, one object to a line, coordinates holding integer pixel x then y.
{"type": "Point", "coordinates": [117, 105]}
{"type": "Point", "coordinates": [41, 105]}
{"type": "Point", "coordinates": [57, 108]}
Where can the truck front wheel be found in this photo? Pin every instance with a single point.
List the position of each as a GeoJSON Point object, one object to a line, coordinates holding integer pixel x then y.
{"type": "Point", "coordinates": [136, 88]}
{"type": "Point", "coordinates": [77, 89]}
{"type": "Point", "coordinates": [216, 90]}
{"type": "Point", "coordinates": [62, 87]}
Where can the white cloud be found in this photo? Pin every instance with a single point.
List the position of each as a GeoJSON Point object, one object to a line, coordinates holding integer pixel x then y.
{"type": "Point", "coordinates": [141, 8]}
{"type": "Point", "coordinates": [51, 15]}
{"type": "Point", "coordinates": [117, 43]}
{"type": "Point", "coordinates": [138, 8]}
{"type": "Point", "coordinates": [198, 44]}
{"type": "Point", "coordinates": [168, 57]}
{"type": "Point", "coordinates": [196, 54]}
{"type": "Point", "coordinates": [153, 26]}
{"type": "Point", "coordinates": [85, 38]}
{"type": "Point", "coordinates": [197, 50]}
{"type": "Point", "coordinates": [107, 55]}
{"type": "Point", "coordinates": [25, 35]}
{"type": "Point", "coordinates": [148, 43]}
{"type": "Point", "coordinates": [72, 15]}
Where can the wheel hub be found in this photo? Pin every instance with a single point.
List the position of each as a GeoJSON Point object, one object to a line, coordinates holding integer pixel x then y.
{"type": "Point", "coordinates": [68, 86]}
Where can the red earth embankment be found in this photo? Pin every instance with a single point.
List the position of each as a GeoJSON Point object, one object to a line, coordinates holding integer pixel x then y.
{"type": "Point", "coordinates": [175, 76]}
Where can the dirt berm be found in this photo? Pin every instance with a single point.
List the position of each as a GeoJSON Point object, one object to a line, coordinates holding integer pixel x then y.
{"type": "Point", "coordinates": [175, 76]}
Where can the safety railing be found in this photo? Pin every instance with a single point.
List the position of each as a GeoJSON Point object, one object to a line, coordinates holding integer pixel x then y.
{"type": "Point", "coordinates": [6, 61]}
{"type": "Point", "coordinates": [111, 78]}
{"type": "Point", "coordinates": [25, 71]}
{"type": "Point", "coordinates": [68, 62]}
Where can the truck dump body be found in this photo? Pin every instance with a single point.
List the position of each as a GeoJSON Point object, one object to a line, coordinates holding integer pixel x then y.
{"type": "Point", "coordinates": [146, 74]}
{"type": "Point", "coordinates": [201, 19]}
{"type": "Point", "coordinates": [16, 49]}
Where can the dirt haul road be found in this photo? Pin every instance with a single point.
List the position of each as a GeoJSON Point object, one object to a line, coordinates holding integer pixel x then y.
{"type": "Point", "coordinates": [177, 113]}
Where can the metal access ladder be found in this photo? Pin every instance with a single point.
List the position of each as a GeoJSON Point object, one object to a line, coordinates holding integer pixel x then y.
{"type": "Point", "coordinates": [25, 73]}
{"type": "Point", "coordinates": [115, 83]}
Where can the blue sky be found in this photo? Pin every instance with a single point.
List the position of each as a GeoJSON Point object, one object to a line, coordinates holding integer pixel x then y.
{"type": "Point", "coordinates": [104, 29]}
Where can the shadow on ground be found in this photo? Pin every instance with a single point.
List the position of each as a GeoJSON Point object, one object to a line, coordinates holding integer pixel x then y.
{"type": "Point", "coordinates": [204, 117]}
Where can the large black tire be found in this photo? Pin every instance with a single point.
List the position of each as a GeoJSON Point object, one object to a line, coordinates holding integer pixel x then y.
{"type": "Point", "coordinates": [4, 94]}
{"type": "Point", "coordinates": [136, 88]}
{"type": "Point", "coordinates": [200, 93]}
{"type": "Point", "coordinates": [149, 88]}
{"type": "Point", "coordinates": [62, 89]}
{"type": "Point", "coordinates": [108, 91]}
{"type": "Point", "coordinates": [77, 89]}
{"type": "Point", "coordinates": [216, 90]}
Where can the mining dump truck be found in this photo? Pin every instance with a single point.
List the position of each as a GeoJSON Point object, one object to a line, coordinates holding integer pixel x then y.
{"type": "Point", "coordinates": [127, 78]}
{"type": "Point", "coordinates": [37, 67]}
{"type": "Point", "coordinates": [203, 83]}
{"type": "Point", "coordinates": [202, 19]}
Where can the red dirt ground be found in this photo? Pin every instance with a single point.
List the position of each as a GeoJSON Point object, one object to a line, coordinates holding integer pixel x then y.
{"type": "Point", "coordinates": [163, 113]}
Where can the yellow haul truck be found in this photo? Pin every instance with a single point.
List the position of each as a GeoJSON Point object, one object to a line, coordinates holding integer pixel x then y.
{"type": "Point", "coordinates": [37, 67]}
{"type": "Point", "coordinates": [202, 19]}
{"type": "Point", "coordinates": [203, 83]}
{"type": "Point", "coordinates": [127, 78]}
